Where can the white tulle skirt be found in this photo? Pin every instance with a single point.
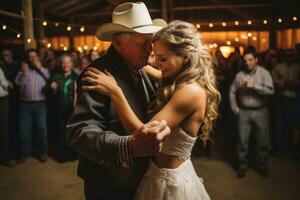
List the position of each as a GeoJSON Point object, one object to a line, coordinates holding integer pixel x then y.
{"type": "Point", "coordinates": [181, 183]}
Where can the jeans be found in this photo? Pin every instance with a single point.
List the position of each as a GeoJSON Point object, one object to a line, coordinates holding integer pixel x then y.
{"type": "Point", "coordinates": [246, 121]}
{"type": "Point", "coordinates": [33, 113]}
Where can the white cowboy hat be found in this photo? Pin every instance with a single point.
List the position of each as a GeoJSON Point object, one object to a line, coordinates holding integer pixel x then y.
{"type": "Point", "coordinates": [130, 17]}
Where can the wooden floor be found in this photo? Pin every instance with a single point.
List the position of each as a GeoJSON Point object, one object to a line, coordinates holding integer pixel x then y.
{"type": "Point", "coordinates": [53, 181]}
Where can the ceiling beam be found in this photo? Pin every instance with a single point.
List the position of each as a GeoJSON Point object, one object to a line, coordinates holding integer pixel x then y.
{"type": "Point", "coordinates": [64, 6]}
{"type": "Point", "coordinates": [186, 8]}
{"type": "Point", "coordinates": [81, 6]}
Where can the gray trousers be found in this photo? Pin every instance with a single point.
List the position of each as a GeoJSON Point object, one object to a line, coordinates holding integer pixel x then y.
{"type": "Point", "coordinates": [257, 122]}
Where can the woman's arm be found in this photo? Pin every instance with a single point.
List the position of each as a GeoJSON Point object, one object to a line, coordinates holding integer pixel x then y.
{"type": "Point", "coordinates": [153, 72]}
{"type": "Point", "coordinates": [184, 101]}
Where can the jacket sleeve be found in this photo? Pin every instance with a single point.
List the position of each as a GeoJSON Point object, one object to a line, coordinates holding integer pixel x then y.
{"type": "Point", "coordinates": [87, 130]}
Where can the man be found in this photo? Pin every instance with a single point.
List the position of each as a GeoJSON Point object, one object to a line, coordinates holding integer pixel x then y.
{"type": "Point", "coordinates": [286, 77]}
{"type": "Point", "coordinates": [32, 79]}
{"type": "Point", "coordinates": [10, 67]}
{"type": "Point", "coordinates": [248, 98]}
{"type": "Point", "coordinates": [5, 156]}
{"type": "Point", "coordinates": [111, 163]}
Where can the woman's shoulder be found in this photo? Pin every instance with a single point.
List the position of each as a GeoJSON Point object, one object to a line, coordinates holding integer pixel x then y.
{"type": "Point", "coordinates": [190, 94]}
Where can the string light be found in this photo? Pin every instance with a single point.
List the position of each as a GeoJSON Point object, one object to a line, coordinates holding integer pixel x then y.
{"type": "Point", "coordinates": [228, 43]}
{"type": "Point", "coordinates": [49, 45]}
{"type": "Point", "coordinates": [265, 21]}
{"type": "Point", "coordinates": [210, 46]}
{"type": "Point", "coordinates": [85, 47]}
{"type": "Point", "coordinates": [236, 23]}
{"type": "Point", "coordinates": [45, 23]}
{"type": "Point", "coordinates": [215, 45]}
{"type": "Point", "coordinates": [295, 18]}
{"type": "Point", "coordinates": [65, 48]}
{"type": "Point", "coordinates": [249, 22]}
{"type": "Point", "coordinates": [211, 25]}
{"type": "Point", "coordinates": [249, 34]}
{"type": "Point", "coordinates": [254, 38]}
{"type": "Point", "coordinates": [82, 29]}
{"type": "Point", "coordinates": [237, 39]}
{"type": "Point", "coordinates": [224, 24]}
{"type": "Point", "coordinates": [69, 28]}
{"type": "Point", "coordinates": [56, 24]}
{"type": "Point", "coordinates": [198, 26]}
{"type": "Point", "coordinates": [18, 35]}
{"type": "Point", "coordinates": [28, 40]}
{"type": "Point", "coordinates": [4, 27]}
{"type": "Point", "coordinates": [279, 20]}
{"type": "Point", "coordinates": [95, 48]}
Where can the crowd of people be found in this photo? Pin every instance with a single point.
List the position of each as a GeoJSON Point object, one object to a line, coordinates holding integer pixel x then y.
{"type": "Point", "coordinates": [42, 105]}
{"type": "Point", "coordinates": [37, 98]}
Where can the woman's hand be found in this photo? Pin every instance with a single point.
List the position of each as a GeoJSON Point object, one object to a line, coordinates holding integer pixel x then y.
{"type": "Point", "coordinates": [102, 82]}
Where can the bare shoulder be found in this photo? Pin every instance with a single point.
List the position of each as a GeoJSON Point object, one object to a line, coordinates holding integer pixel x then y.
{"type": "Point", "coordinates": [190, 94]}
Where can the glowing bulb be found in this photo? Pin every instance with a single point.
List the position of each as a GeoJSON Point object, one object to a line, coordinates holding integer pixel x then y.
{"type": "Point", "coordinates": [4, 27]}
{"type": "Point", "coordinates": [237, 39]}
{"type": "Point", "coordinates": [210, 46]}
{"type": "Point", "coordinates": [215, 45]}
{"type": "Point", "coordinates": [56, 24]}
{"type": "Point", "coordinates": [249, 34]}
{"type": "Point", "coordinates": [236, 23]}
{"type": "Point", "coordinates": [45, 23]}
{"type": "Point", "coordinates": [95, 48]}
{"type": "Point", "coordinates": [295, 18]}
{"type": "Point", "coordinates": [65, 48]}
{"type": "Point", "coordinates": [279, 20]}
{"type": "Point", "coordinates": [198, 26]}
{"type": "Point", "coordinates": [69, 28]}
{"type": "Point", "coordinates": [254, 38]}
{"type": "Point", "coordinates": [28, 40]}
{"type": "Point", "coordinates": [18, 35]}
{"type": "Point", "coordinates": [228, 43]}
{"type": "Point", "coordinates": [249, 22]}
{"type": "Point", "coordinates": [211, 25]}
{"type": "Point", "coordinates": [265, 21]}
{"type": "Point", "coordinates": [263, 40]}
{"type": "Point", "coordinates": [82, 29]}
{"type": "Point", "coordinates": [85, 47]}
{"type": "Point", "coordinates": [49, 45]}
{"type": "Point", "coordinates": [223, 24]}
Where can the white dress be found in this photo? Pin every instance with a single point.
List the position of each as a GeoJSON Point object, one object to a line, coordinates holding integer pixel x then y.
{"type": "Point", "coordinates": [181, 183]}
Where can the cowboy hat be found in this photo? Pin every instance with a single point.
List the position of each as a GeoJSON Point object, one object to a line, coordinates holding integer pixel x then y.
{"type": "Point", "coordinates": [130, 17]}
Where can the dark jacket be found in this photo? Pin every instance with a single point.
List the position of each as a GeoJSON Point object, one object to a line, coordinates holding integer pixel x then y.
{"type": "Point", "coordinates": [94, 129]}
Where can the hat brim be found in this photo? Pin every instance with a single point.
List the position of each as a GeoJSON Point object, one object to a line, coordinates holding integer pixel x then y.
{"type": "Point", "coordinates": [107, 30]}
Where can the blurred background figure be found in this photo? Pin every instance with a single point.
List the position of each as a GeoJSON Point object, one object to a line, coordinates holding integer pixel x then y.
{"type": "Point", "coordinates": [62, 84]}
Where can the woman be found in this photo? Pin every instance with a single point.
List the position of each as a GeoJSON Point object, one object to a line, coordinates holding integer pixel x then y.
{"type": "Point", "coordinates": [187, 99]}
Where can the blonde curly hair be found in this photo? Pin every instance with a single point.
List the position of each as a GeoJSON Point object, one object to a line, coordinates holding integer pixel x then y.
{"type": "Point", "coordinates": [184, 39]}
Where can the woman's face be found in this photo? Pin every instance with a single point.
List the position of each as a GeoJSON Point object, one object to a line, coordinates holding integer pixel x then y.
{"type": "Point", "coordinates": [167, 61]}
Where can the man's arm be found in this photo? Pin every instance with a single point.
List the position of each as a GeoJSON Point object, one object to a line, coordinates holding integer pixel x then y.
{"type": "Point", "coordinates": [232, 96]}
{"type": "Point", "coordinates": [87, 133]}
{"type": "Point", "coordinates": [87, 129]}
{"type": "Point", "coordinates": [266, 88]}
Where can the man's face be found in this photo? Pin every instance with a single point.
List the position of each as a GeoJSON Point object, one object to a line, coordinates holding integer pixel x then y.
{"type": "Point", "coordinates": [250, 61]}
{"type": "Point", "coordinates": [32, 56]}
{"type": "Point", "coordinates": [136, 49]}
{"type": "Point", "coordinates": [7, 56]}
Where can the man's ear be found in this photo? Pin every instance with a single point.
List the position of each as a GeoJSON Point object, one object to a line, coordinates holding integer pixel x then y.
{"type": "Point", "coordinates": [116, 41]}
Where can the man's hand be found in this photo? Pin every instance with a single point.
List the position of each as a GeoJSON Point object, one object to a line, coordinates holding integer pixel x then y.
{"type": "Point", "coordinates": [54, 86]}
{"type": "Point", "coordinates": [148, 140]}
{"type": "Point", "coordinates": [37, 63]}
{"type": "Point", "coordinates": [249, 84]}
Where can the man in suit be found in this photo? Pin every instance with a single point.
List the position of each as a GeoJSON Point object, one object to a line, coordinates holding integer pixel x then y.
{"type": "Point", "coordinates": [112, 163]}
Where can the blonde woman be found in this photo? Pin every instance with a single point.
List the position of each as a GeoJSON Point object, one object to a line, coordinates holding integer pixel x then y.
{"type": "Point", "coordinates": [186, 99]}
